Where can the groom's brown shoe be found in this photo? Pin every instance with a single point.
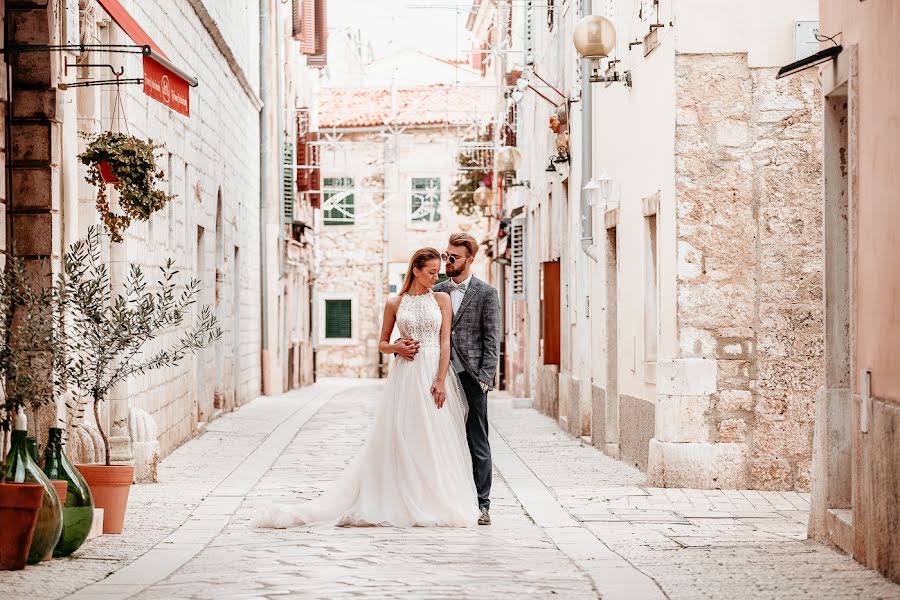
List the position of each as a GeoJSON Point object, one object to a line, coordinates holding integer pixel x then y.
{"type": "Point", "coordinates": [485, 518]}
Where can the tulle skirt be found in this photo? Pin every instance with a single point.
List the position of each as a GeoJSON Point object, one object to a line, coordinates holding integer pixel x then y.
{"type": "Point", "coordinates": [415, 468]}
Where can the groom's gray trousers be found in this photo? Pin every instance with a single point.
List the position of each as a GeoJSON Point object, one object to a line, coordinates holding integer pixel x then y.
{"type": "Point", "coordinates": [477, 435]}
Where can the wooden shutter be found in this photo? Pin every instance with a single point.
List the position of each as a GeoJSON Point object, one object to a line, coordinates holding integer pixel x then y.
{"type": "Point", "coordinates": [314, 32]}
{"type": "Point", "coordinates": [287, 181]}
{"type": "Point", "coordinates": [297, 18]}
{"type": "Point", "coordinates": [517, 257]}
{"type": "Point", "coordinates": [338, 319]}
{"type": "Point", "coordinates": [315, 173]}
{"type": "Point", "coordinates": [308, 26]}
{"type": "Point", "coordinates": [550, 312]}
{"type": "Point", "coordinates": [303, 178]}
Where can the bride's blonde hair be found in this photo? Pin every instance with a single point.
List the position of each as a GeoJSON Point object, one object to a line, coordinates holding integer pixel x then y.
{"type": "Point", "coordinates": [419, 259]}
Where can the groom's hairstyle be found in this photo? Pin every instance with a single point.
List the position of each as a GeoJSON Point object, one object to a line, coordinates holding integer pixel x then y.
{"type": "Point", "coordinates": [466, 241]}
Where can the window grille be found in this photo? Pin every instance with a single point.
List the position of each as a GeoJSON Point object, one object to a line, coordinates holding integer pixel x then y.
{"type": "Point", "coordinates": [425, 202]}
{"type": "Point", "coordinates": [339, 206]}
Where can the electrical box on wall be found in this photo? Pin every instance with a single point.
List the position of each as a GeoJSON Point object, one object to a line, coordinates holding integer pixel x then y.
{"type": "Point", "coordinates": [805, 42]}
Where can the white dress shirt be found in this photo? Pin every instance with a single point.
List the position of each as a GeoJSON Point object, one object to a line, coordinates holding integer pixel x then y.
{"type": "Point", "coordinates": [456, 296]}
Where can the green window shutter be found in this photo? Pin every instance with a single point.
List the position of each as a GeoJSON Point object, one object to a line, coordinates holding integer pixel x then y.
{"type": "Point", "coordinates": [517, 257]}
{"type": "Point", "coordinates": [425, 202]}
{"type": "Point", "coordinates": [287, 181]}
{"type": "Point", "coordinates": [339, 207]}
{"type": "Point", "coordinates": [338, 319]}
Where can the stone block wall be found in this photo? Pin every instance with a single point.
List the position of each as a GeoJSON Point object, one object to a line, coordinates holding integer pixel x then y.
{"type": "Point", "coordinates": [211, 161]}
{"type": "Point", "coordinates": [352, 262]}
{"type": "Point", "coordinates": [748, 155]}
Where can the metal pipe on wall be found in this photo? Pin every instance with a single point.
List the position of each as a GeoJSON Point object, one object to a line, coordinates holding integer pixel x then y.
{"type": "Point", "coordinates": [587, 154]}
{"type": "Point", "coordinates": [264, 162]}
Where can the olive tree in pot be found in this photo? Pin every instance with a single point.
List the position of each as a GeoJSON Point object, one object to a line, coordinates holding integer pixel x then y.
{"type": "Point", "coordinates": [107, 339]}
{"type": "Point", "coordinates": [30, 516]}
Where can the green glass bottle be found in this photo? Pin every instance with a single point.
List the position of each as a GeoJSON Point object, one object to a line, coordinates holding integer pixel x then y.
{"type": "Point", "coordinates": [20, 468]}
{"type": "Point", "coordinates": [78, 510]}
{"type": "Point", "coordinates": [32, 449]}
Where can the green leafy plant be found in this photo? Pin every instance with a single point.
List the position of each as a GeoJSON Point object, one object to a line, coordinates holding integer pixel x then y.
{"type": "Point", "coordinates": [132, 161]}
{"type": "Point", "coordinates": [29, 342]}
{"type": "Point", "coordinates": [107, 333]}
{"type": "Point", "coordinates": [467, 181]}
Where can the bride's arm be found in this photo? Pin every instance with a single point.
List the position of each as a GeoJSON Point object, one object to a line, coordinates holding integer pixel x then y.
{"type": "Point", "coordinates": [438, 389]}
{"type": "Point", "coordinates": [387, 326]}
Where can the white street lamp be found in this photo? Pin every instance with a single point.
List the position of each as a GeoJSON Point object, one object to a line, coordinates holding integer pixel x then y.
{"type": "Point", "coordinates": [508, 159]}
{"type": "Point", "coordinates": [598, 189]}
{"type": "Point", "coordinates": [594, 37]}
{"type": "Point", "coordinates": [481, 196]}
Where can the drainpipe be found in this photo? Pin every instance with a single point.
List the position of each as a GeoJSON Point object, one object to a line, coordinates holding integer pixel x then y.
{"type": "Point", "coordinates": [264, 163]}
{"type": "Point", "coordinates": [587, 161]}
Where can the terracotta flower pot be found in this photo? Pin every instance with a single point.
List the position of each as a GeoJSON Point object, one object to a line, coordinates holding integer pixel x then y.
{"type": "Point", "coordinates": [19, 505]}
{"type": "Point", "coordinates": [109, 487]}
{"type": "Point", "coordinates": [106, 172]}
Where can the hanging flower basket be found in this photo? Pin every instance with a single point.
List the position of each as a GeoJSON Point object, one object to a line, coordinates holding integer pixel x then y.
{"type": "Point", "coordinates": [129, 165]}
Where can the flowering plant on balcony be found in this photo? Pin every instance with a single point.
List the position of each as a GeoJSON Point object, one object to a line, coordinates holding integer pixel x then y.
{"type": "Point", "coordinates": [129, 165]}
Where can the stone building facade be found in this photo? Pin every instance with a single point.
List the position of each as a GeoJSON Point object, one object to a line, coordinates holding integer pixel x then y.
{"type": "Point", "coordinates": [222, 162]}
{"type": "Point", "coordinates": [677, 322]}
{"type": "Point", "coordinates": [381, 167]}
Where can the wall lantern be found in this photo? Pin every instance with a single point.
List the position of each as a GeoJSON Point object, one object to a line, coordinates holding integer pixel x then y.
{"type": "Point", "coordinates": [481, 196]}
{"type": "Point", "coordinates": [508, 159]}
{"type": "Point", "coordinates": [595, 38]}
{"type": "Point", "coordinates": [598, 189]}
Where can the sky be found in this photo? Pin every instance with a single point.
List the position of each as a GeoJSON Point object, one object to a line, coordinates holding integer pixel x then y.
{"type": "Point", "coordinates": [437, 27]}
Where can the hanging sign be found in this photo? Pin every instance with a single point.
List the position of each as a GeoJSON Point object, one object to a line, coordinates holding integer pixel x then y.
{"type": "Point", "coordinates": [163, 85]}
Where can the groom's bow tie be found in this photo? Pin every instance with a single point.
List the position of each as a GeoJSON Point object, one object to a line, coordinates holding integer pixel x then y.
{"type": "Point", "coordinates": [461, 287]}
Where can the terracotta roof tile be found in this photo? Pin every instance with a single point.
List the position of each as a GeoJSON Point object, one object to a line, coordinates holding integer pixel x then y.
{"type": "Point", "coordinates": [425, 105]}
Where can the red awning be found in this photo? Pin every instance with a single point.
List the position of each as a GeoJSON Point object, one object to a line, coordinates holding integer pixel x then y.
{"type": "Point", "coordinates": [163, 81]}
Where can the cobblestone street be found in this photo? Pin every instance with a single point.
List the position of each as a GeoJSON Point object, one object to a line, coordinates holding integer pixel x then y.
{"type": "Point", "coordinates": [568, 522]}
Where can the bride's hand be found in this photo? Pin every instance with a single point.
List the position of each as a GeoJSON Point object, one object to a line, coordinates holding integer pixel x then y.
{"type": "Point", "coordinates": [439, 393]}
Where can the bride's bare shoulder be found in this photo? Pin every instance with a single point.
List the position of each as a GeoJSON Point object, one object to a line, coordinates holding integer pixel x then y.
{"type": "Point", "coordinates": [393, 302]}
{"type": "Point", "coordinates": [442, 298]}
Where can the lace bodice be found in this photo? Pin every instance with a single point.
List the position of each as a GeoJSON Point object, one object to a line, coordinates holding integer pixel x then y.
{"type": "Point", "coordinates": [419, 317]}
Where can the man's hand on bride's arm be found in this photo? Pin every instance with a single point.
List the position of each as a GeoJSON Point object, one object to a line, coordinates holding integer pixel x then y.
{"type": "Point", "coordinates": [407, 348]}
{"type": "Point", "coordinates": [439, 393]}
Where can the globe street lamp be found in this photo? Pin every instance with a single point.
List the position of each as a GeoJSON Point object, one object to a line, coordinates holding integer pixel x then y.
{"type": "Point", "coordinates": [595, 38]}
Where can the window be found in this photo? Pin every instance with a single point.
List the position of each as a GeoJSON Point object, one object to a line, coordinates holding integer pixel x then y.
{"type": "Point", "coordinates": [287, 182]}
{"type": "Point", "coordinates": [517, 259]}
{"type": "Point", "coordinates": [338, 319]}
{"type": "Point", "coordinates": [339, 207]}
{"type": "Point", "coordinates": [425, 206]}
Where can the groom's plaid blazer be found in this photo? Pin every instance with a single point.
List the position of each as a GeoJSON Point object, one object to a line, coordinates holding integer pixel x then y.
{"type": "Point", "coordinates": [475, 335]}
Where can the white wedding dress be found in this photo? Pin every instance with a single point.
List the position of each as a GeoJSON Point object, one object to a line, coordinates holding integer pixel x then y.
{"type": "Point", "coordinates": [415, 468]}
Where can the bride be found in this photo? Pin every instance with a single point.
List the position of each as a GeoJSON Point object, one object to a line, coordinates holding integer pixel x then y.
{"type": "Point", "coordinates": [415, 468]}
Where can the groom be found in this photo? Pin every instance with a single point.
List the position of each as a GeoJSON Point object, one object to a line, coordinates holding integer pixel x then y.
{"type": "Point", "coordinates": [474, 346]}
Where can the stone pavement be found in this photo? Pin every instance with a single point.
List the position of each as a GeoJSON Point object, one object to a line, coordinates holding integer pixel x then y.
{"type": "Point", "coordinates": [568, 522]}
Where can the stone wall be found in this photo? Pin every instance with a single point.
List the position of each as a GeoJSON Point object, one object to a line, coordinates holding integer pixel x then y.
{"type": "Point", "coordinates": [748, 155]}
{"type": "Point", "coordinates": [352, 260]}
{"type": "Point", "coordinates": [212, 227]}
{"type": "Point", "coordinates": [354, 257]}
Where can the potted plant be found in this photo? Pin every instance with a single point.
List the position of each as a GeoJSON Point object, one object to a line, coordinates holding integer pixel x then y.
{"type": "Point", "coordinates": [106, 343]}
{"type": "Point", "coordinates": [26, 366]}
{"type": "Point", "coordinates": [129, 165]}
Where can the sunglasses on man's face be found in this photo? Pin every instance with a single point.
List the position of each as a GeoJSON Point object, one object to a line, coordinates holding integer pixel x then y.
{"type": "Point", "coordinates": [451, 258]}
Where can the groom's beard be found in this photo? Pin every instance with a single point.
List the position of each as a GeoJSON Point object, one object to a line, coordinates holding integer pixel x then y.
{"type": "Point", "coordinates": [453, 271]}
